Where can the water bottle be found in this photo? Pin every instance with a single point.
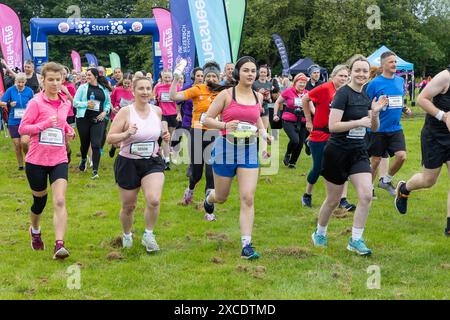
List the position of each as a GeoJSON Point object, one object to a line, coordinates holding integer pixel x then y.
{"type": "Point", "coordinates": [180, 68]}
{"type": "Point", "coordinates": [92, 97]}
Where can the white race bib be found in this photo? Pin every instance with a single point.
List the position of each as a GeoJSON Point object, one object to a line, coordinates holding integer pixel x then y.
{"type": "Point", "coordinates": [165, 97]}
{"type": "Point", "coordinates": [123, 102]}
{"type": "Point", "coordinates": [18, 113]}
{"type": "Point", "coordinates": [246, 127]}
{"type": "Point", "coordinates": [298, 102]}
{"type": "Point", "coordinates": [271, 105]}
{"type": "Point", "coordinates": [52, 137]}
{"type": "Point", "coordinates": [396, 102]}
{"type": "Point", "coordinates": [96, 106]}
{"type": "Point", "coordinates": [357, 133]}
{"type": "Point", "coordinates": [143, 149]}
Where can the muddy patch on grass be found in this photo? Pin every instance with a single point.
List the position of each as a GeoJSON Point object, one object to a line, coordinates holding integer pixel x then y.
{"type": "Point", "coordinates": [217, 260]}
{"type": "Point", "coordinates": [100, 214]}
{"type": "Point", "coordinates": [445, 266]}
{"type": "Point", "coordinates": [116, 242]}
{"type": "Point", "coordinates": [341, 213]}
{"type": "Point", "coordinates": [217, 236]}
{"type": "Point", "coordinates": [296, 252]}
{"type": "Point", "coordinates": [241, 268]}
{"type": "Point", "coordinates": [114, 255]}
{"type": "Point", "coordinates": [347, 231]}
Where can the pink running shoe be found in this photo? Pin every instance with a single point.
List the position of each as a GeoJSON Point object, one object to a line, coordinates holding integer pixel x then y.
{"type": "Point", "coordinates": [36, 241]}
{"type": "Point", "coordinates": [188, 196]}
{"type": "Point", "coordinates": [210, 217]}
{"type": "Point", "coordinates": [60, 252]}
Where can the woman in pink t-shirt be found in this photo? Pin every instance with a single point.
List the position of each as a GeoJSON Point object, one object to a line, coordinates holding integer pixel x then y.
{"type": "Point", "coordinates": [45, 122]}
{"type": "Point", "coordinates": [294, 122]}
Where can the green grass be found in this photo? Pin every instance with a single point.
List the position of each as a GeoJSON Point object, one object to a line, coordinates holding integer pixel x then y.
{"type": "Point", "coordinates": [201, 260]}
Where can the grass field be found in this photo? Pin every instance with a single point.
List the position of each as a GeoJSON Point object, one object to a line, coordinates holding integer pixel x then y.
{"type": "Point", "coordinates": [201, 260]}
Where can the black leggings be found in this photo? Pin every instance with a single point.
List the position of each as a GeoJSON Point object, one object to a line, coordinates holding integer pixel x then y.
{"type": "Point", "coordinates": [198, 146]}
{"type": "Point", "coordinates": [90, 134]}
{"type": "Point", "coordinates": [297, 133]}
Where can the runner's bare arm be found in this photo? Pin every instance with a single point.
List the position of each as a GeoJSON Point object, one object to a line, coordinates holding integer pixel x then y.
{"type": "Point", "coordinates": [119, 130]}
{"type": "Point", "coordinates": [336, 124]}
{"type": "Point", "coordinates": [439, 85]}
{"type": "Point", "coordinates": [173, 94]}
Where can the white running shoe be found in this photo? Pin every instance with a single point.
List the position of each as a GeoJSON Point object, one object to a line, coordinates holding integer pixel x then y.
{"type": "Point", "coordinates": [149, 242]}
{"type": "Point", "coordinates": [127, 243]}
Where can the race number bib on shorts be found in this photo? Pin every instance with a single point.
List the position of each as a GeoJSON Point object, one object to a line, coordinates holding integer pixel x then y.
{"type": "Point", "coordinates": [396, 102]}
{"type": "Point", "coordinates": [96, 106]}
{"type": "Point", "coordinates": [357, 133]}
{"type": "Point", "coordinates": [298, 102]}
{"type": "Point", "coordinates": [165, 97]}
{"type": "Point", "coordinates": [143, 149]}
{"type": "Point", "coordinates": [18, 113]}
{"type": "Point", "coordinates": [52, 137]}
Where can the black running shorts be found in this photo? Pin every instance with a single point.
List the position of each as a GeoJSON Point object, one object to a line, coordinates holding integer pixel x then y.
{"type": "Point", "coordinates": [37, 175]}
{"type": "Point", "coordinates": [171, 120]}
{"type": "Point", "coordinates": [435, 149]}
{"type": "Point", "coordinates": [390, 142]}
{"type": "Point", "coordinates": [130, 172]}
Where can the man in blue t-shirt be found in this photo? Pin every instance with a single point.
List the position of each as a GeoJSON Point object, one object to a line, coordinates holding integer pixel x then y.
{"type": "Point", "coordinates": [389, 138]}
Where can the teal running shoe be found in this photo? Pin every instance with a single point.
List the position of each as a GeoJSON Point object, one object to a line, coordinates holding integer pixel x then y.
{"type": "Point", "coordinates": [318, 240]}
{"type": "Point", "coordinates": [248, 253]}
{"type": "Point", "coordinates": [359, 246]}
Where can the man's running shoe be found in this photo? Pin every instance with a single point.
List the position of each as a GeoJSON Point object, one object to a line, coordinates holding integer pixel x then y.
{"type": "Point", "coordinates": [60, 252]}
{"type": "Point", "coordinates": [209, 207]}
{"type": "Point", "coordinates": [447, 232]}
{"type": "Point", "coordinates": [318, 240]}
{"type": "Point", "coordinates": [248, 253]}
{"type": "Point", "coordinates": [127, 242]}
{"type": "Point", "coordinates": [95, 175]}
{"type": "Point", "coordinates": [359, 246]}
{"type": "Point", "coordinates": [307, 149]}
{"type": "Point", "coordinates": [82, 165]}
{"type": "Point", "coordinates": [286, 159]}
{"type": "Point", "coordinates": [401, 200]}
{"type": "Point", "coordinates": [344, 204]}
{"type": "Point", "coordinates": [188, 196]}
{"type": "Point", "coordinates": [387, 186]}
{"type": "Point", "coordinates": [149, 242]}
{"type": "Point", "coordinates": [307, 200]}
{"type": "Point", "coordinates": [36, 241]}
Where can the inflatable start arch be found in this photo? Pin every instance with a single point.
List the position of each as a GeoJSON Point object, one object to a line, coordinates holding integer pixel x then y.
{"type": "Point", "coordinates": [42, 28]}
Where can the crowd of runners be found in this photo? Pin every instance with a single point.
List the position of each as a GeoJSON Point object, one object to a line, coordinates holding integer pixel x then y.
{"type": "Point", "coordinates": [350, 125]}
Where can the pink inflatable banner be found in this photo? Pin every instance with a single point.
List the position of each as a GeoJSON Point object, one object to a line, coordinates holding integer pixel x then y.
{"type": "Point", "coordinates": [11, 37]}
{"type": "Point", "coordinates": [164, 22]}
{"type": "Point", "coordinates": [76, 61]}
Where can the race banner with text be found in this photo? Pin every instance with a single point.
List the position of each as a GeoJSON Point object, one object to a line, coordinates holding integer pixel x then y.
{"type": "Point", "coordinates": [210, 27]}
{"type": "Point", "coordinates": [11, 37]}
{"type": "Point", "coordinates": [183, 36]}
{"type": "Point", "coordinates": [76, 60]}
{"type": "Point", "coordinates": [162, 17]}
{"type": "Point", "coordinates": [114, 59]}
{"type": "Point", "coordinates": [236, 11]}
{"type": "Point", "coordinates": [283, 52]}
{"type": "Point", "coordinates": [92, 60]}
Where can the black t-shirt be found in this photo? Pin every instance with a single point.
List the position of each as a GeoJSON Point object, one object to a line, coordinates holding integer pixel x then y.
{"type": "Point", "coordinates": [355, 106]}
{"type": "Point", "coordinates": [433, 125]}
{"type": "Point", "coordinates": [257, 85]}
{"type": "Point", "coordinates": [310, 86]}
{"type": "Point", "coordinates": [99, 99]}
{"type": "Point", "coordinates": [33, 83]}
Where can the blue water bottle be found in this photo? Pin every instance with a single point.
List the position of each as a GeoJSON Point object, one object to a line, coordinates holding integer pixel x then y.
{"type": "Point", "coordinates": [92, 97]}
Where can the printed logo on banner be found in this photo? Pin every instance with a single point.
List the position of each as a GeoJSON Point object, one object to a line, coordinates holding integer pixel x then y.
{"type": "Point", "coordinates": [63, 27]}
{"type": "Point", "coordinates": [137, 26]}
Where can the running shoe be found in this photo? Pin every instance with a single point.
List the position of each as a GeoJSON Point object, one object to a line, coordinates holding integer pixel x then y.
{"type": "Point", "coordinates": [95, 175]}
{"type": "Point", "coordinates": [447, 232]}
{"type": "Point", "coordinates": [286, 159]}
{"type": "Point", "coordinates": [248, 253]}
{"type": "Point", "coordinates": [127, 243]}
{"type": "Point", "coordinates": [82, 165]}
{"type": "Point", "coordinates": [344, 204]}
{"type": "Point", "coordinates": [209, 217]}
{"type": "Point", "coordinates": [387, 186]}
{"type": "Point", "coordinates": [112, 152]}
{"type": "Point", "coordinates": [166, 166]}
{"type": "Point", "coordinates": [21, 168]}
{"type": "Point", "coordinates": [102, 152]}
{"type": "Point", "coordinates": [307, 200]}
{"type": "Point", "coordinates": [60, 252]}
{"type": "Point", "coordinates": [36, 241]}
{"type": "Point", "coordinates": [187, 198]}
{"type": "Point", "coordinates": [149, 242]}
{"type": "Point", "coordinates": [209, 208]}
{"type": "Point", "coordinates": [374, 196]}
{"type": "Point", "coordinates": [318, 240]}
{"type": "Point", "coordinates": [359, 246]}
{"type": "Point", "coordinates": [292, 166]}
{"type": "Point", "coordinates": [401, 200]}
{"type": "Point", "coordinates": [307, 149]}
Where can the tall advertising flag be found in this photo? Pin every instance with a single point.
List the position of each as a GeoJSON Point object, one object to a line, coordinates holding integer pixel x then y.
{"type": "Point", "coordinates": [11, 37]}
{"type": "Point", "coordinates": [92, 60]}
{"type": "Point", "coordinates": [183, 36]}
{"type": "Point", "coordinates": [209, 23]}
{"type": "Point", "coordinates": [162, 17]}
{"type": "Point", "coordinates": [26, 49]}
{"type": "Point", "coordinates": [76, 60]}
{"type": "Point", "coordinates": [114, 59]}
{"type": "Point", "coordinates": [236, 11]}
{"type": "Point", "coordinates": [283, 52]}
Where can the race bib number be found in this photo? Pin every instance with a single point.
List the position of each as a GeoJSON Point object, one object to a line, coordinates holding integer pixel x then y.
{"type": "Point", "coordinates": [271, 105]}
{"type": "Point", "coordinates": [52, 137]}
{"type": "Point", "coordinates": [165, 97]}
{"type": "Point", "coordinates": [298, 102]}
{"type": "Point", "coordinates": [143, 149]}
{"type": "Point", "coordinates": [96, 106]}
{"type": "Point", "coordinates": [18, 113]}
{"type": "Point", "coordinates": [357, 133]}
{"type": "Point", "coordinates": [396, 102]}
{"type": "Point", "coordinates": [245, 130]}
{"type": "Point", "coordinates": [123, 102]}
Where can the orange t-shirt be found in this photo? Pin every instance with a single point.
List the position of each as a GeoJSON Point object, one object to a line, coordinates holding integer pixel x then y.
{"type": "Point", "coordinates": [201, 99]}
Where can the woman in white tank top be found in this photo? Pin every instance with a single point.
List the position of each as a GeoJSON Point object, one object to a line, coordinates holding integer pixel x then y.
{"type": "Point", "coordinates": [137, 128]}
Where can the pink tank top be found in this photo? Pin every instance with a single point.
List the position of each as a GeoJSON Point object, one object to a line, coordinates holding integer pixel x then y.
{"type": "Point", "coordinates": [144, 144]}
{"type": "Point", "coordinates": [241, 112]}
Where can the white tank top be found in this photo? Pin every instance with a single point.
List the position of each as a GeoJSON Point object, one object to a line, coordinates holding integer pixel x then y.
{"type": "Point", "coordinates": [144, 144]}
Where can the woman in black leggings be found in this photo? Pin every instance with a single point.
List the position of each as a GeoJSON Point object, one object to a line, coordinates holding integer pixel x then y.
{"type": "Point", "coordinates": [93, 104]}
